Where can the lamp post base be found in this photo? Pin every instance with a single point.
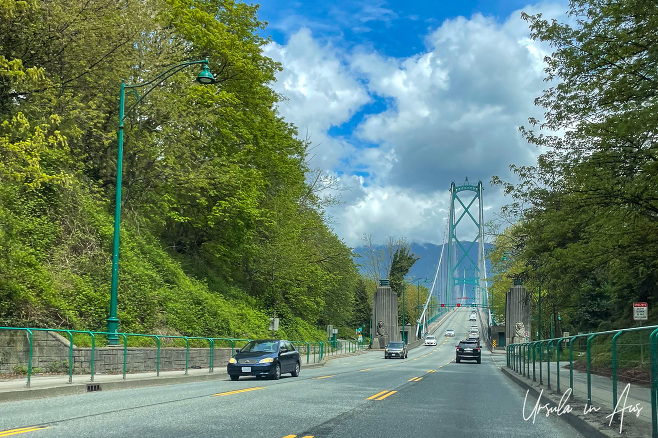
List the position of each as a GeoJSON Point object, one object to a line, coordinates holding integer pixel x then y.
{"type": "Point", "coordinates": [113, 328]}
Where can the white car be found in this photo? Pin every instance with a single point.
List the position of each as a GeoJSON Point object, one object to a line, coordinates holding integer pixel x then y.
{"type": "Point", "coordinates": [430, 340]}
{"type": "Point", "coordinates": [450, 333]}
{"type": "Point", "coordinates": [475, 328]}
{"type": "Point", "coordinates": [473, 317]}
{"type": "Point", "coordinates": [474, 334]}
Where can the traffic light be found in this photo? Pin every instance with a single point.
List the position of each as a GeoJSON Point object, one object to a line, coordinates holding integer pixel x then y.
{"type": "Point", "coordinates": [443, 305]}
{"type": "Point", "coordinates": [474, 305]}
{"type": "Point", "coordinates": [458, 305]}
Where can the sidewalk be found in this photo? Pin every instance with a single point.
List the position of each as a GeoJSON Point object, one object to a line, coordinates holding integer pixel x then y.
{"type": "Point", "coordinates": [13, 389]}
{"type": "Point", "coordinates": [633, 401]}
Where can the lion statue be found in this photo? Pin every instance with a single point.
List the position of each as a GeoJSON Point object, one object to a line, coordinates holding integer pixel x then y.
{"type": "Point", "coordinates": [519, 330]}
{"type": "Point", "coordinates": [381, 330]}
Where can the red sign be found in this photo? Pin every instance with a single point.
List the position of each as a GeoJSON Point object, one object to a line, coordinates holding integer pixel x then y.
{"type": "Point", "coordinates": [640, 311]}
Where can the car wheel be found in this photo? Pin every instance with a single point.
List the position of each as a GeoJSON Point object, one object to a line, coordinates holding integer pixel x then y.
{"type": "Point", "coordinates": [234, 377]}
{"type": "Point", "coordinates": [479, 360]}
{"type": "Point", "coordinates": [457, 360]}
{"type": "Point", "coordinates": [277, 372]}
{"type": "Point", "coordinates": [297, 369]}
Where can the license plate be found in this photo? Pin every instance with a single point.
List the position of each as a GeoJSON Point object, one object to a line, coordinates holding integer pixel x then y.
{"type": "Point", "coordinates": [246, 369]}
{"type": "Point", "coordinates": [465, 349]}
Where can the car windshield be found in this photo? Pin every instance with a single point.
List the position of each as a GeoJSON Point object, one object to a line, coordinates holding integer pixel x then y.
{"type": "Point", "coordinates": [468, 344]}
{"type": "Point", "coordinates": [450, 330]}
{"type": "Point", "coordinates": [430, 338]}
{"type": "Point", "coordinates": [262, 346]}
{"type": "Point", "coordinates": [395, 345]}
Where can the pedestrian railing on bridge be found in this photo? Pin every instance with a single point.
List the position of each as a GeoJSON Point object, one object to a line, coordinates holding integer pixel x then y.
{"type": "Point", "coordinates": [312, 352]}
{"type": "Point", "coordinates": [631, 352]}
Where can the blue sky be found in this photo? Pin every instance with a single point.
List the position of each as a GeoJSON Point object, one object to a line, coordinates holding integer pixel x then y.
{"type": "Point", "coordinates": [401, 98]}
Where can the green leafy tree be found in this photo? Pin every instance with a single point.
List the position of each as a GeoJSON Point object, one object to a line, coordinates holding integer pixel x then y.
{"type": "Point", "coordinates": [588, 206]}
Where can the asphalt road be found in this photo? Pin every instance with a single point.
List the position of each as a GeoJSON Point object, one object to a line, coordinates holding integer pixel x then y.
{"type": "Point", "coordinates": [426, 395]}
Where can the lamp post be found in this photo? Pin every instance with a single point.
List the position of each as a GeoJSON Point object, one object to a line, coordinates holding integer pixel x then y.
{"type": "Point", "coordinates": [539, 332]}
{"type": "Point", "coordinates": [205, 77]}
{"type": "Point", "coordinates": [403, 327]}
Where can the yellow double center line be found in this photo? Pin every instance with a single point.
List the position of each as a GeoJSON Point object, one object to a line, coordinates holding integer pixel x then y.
{"type": "Point", "coordinates": [415, 379]}
{"type": "Point", "coordinates": [381, 395]}
{"type": "Point", "coordinates": [21, 430]}
{"type": "Point", "coordinates": [237, 391]}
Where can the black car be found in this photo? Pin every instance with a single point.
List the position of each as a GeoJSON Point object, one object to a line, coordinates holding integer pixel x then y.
{"type": "Point", "coordinates": [265, 358]}
{"type": "Point", "coordinates": [469, 350]}
{"type": "Point", "coordinates": [395, 349]}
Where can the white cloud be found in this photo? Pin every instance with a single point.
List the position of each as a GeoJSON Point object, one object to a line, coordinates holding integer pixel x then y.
{"type": "Point", "coordinates": [451, 112]}
{"type": "Point", "coordinates": [320, 92]}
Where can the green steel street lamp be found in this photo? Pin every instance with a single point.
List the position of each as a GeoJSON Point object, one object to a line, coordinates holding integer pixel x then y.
{"type": "Point", "coordinates": [205, 77]}
{"type": "Point", "coordinates": [404, 338]}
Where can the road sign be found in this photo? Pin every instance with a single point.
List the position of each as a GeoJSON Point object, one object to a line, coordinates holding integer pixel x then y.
{"type": "Point", "coordinates": [640, 311]}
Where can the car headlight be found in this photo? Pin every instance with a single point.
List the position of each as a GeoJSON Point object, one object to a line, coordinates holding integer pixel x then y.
{"type": "Point", "coordinates": [386, 350]}
{"type": "Point", "coordinates": [266, 360]}
{"type": "Point", "coordinates": [232, 360]}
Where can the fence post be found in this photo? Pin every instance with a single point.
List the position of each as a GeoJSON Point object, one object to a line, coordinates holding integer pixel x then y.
{"type": "Point", "coordinates": [125, 354]}
{"type": "Point", "coordinates": [157, 360]}
{"type": "Point", "coordinates": [571, 363]}
{"type": "Point", "coordinates": [93, 354]}
{"type": "Point", "coordinates": [528, 354]}
{"type": "Point", "coordinates": [534, 379]}
{"type": "Point", "coordinates": [654, 383]}
{"type": "Point", "coordinates": [589, 374]}
{"type": "Point", "coordinates": [614, 367]}
{"type": "Point", "coordinates": [70, 356]}
{"type": "Point", "coordinates": [541, 353]}
{"type": "Point", "coordinates": [187, 353]}
{"type": "Point", "coordinates": [211, 359]}
{"type": "Point", "coordinates": [548, 364]}
{"type": "Point", "coordinates": [557, 363]}
{"type": "Point", "coordinates": [29, 357]}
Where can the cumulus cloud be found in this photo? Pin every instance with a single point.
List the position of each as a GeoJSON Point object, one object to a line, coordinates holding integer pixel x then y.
{"type": "Point", "coordinates": [320, 92]}
{"type": "Point", "coordinates": [449, 112]}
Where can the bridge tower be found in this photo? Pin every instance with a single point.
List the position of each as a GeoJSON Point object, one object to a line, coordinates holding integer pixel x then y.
{"type": "Point", "coordinates": [466, 268]}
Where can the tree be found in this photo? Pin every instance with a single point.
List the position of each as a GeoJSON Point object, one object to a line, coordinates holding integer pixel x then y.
{"type": "Point", "coordinates": [219, 226]}
{"type": "Point", "coordinates": [590, 217]}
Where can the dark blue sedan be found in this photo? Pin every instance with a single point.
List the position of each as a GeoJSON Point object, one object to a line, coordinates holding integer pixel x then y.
{"type": "Point", "coordinates": [265, 358]}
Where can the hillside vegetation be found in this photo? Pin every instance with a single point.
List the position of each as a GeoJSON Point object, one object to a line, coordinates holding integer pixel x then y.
{"type": "Point", "coordinates": [220, 229]}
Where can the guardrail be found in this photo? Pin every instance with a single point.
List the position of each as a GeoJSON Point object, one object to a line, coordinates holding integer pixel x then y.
{"type": "Point", "coordinates": [521, 356]}
{"type": "Point", "coordinates": [318, 350]}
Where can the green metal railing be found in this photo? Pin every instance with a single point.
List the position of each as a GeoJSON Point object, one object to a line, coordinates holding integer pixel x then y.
{"type": "Point", "coordinates": [319, 350]}
{"type": "Point", "coordinates": [522, 355]}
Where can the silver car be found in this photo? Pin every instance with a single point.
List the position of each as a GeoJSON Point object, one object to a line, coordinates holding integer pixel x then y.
{"type": "Point", "coordinates": [396, 349]}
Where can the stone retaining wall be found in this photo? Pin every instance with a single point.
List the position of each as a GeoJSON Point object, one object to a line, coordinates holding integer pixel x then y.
{"type": "Point", "coordinates": [51, 353]}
